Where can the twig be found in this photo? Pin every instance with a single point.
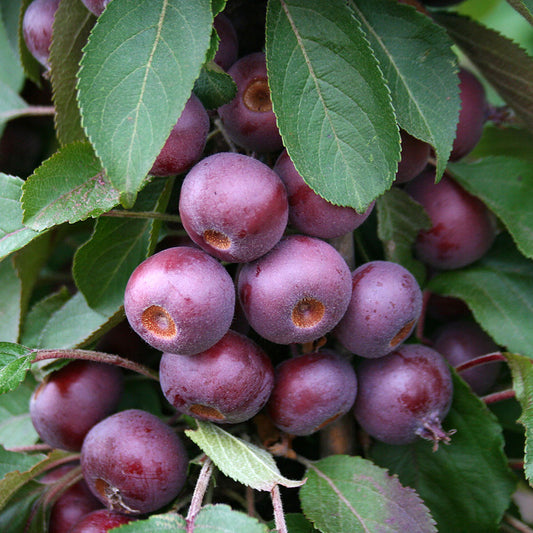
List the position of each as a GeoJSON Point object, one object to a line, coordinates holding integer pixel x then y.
{"type": "Point", "coordinates": [30, 449]}
{"type": "Point", "coordinates": [99, 357]}
{"type": "Point", "coordinates": [30, 111]}
{"type": "Point", "coordinates": [229, 142]}
{"type": "Point", "coordinates": [118, 213]}
{"type": "Point", "coordinates": [279, 515]}
{"type": "Point", "coordinates": [199, 491]}
{"type": "Point", "coordinates": [481, 360]}
{"type": "Point", "coordinates": [517, 524]}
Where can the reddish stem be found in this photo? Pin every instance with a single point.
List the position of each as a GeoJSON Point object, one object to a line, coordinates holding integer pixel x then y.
{"type": "Point", "coordinates": [498, 396]}
{"type": "Point", "coordinates": [481, 360]}
{"type": "Point", "coordinates": [199, 491]}
{"type": "Point", "coordinates": [99, 357]}
{"type": "Point", "coordinates": [279, 516]}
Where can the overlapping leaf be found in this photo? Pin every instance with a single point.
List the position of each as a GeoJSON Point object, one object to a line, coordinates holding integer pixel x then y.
{"type": "Point", "coordinates": [136, 75]}
{"type": "Point", "coordinates": [345, 493]}
{"type": "Point", "coordinates": [507, 67]}
{"type": "Point", "coordinates": [524, 7]}
{"type": "Point", "coordinates": [333, 108]}
{"type": "Point", "coordinates": [68, 187]}
{"type": "Point", "coordinates": [417, 61]}
{"type": "Point", "coordinates": [15, 361]}
{"type": "Point", "coordinates": [238, 459]}
{"type": "Point", "coordinates": [499, 291]}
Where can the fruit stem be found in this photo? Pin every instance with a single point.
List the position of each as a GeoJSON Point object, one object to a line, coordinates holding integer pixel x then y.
{"type": "Point", "coordinates": [517, 524]}
{"type": "Point", "coordinates": [30, 111]}
{"type": "Point", "coordinates": [199, 491]}
{"type": "Point", "coordinates": [498, 396]}
{"type": "Point", "coordinates": [482, 359]}
{"type": "Point", "coordinates": [118, 213]}
{"type": "Point", "coordinates": [30, 449]}
{"type": "Point", "coordinates": [279, 515]}
{"type": "Point", "coordinates": [99, 357]}
{"type": "Point", "coordinates": [222, 130]}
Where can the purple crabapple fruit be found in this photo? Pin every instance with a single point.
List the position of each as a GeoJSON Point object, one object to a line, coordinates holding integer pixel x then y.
{"type": "Point", "coordinates": [37, 28]}
{"type": "Point", "coordinates": [459, 342]}
{"type": "Point", "coordinates": [413, 159]}
{"type": "Point", "coordinates": [404, 395]}
{"type": "Point", "coordinates": [311, 391]}
{"type": "Point", "coordinates": [133, 462]}
{"type": "Point", "coordinates": [385, 305]}
{"type": "Point", "coordinates": [233, 206]}
{"type": "Point", "coordinates": [462, 228]}
{"type": "Point", "coordinates": [311, 214]}
{"type": "Point", "coordinates": [228, 47]}
{"type": "Point", "coordinates": [297, 292]}
{"type": "Point", "coordinates": [96, 6]}
{"type": "Point", "coordinates": [70, 401]}
{"type": "Point", "coordinates": [249, 119]}
{"type": "Point", "coordinates": [228, 383]}
{"type": "Point", "coordinates": [72, 505]}
{"type": "Point", "coordinates": [186, 142]}
{"type": "Point", "coordinates": [180, 300]}
{"type": "Point", "coordinates": [101, 521]}
{"type": "Point", "coordinates": [472, 115]}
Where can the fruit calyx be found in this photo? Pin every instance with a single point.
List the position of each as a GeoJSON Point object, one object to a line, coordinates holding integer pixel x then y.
{"type": "Point", "coordinates": [431, 429]}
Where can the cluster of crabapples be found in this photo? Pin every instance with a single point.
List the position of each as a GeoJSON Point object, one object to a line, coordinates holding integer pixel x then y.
{"type": "Point", "coordinates": [289, 286]}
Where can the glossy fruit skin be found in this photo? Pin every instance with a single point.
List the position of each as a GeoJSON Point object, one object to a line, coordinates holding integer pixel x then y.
{"type": "Point", "coordinates": [462, 227]}
{"type": "Point", "coordinates": [228, 47]}
{"type": "Point", "coordinates": [461, 341]}
{"type": "Point", "coordinates": [229, 383]}
{"type": "Point", "coordinates": [65, 406]}
{"type": "Point", "coordinates": [96, 6]}
{"type": "Point", "coordinates": [186, 141]}
{"type": "Point", "coordinates": [297, 292]}
{"type": "Point", "coordinates": [133, 462]}
{"type": "Point", "coordinates": [311, 391]}
{"type": "Point", "coordinates": [472, 115]}
{"type": "Point", "coordinates": [248, 118]}
{"type": "Point", "coordinates": [413, 158]}
{"type": "Point", "coordinates": [37, 28]}
{"type": "Point", "coordinates": [309, 213]}
{"type": "Point", "coordinates": [404, 395]}
{"type": "Point", "coordinates": [101, 521]}
{"type": "Point", "coordinates": [180, 300]}
{"type": "Point", "coordinates": [233, 206]}
{"type": "Point", "coordinates": [385, 305]}
{"type": "Point", "coordinates": [73, 504]}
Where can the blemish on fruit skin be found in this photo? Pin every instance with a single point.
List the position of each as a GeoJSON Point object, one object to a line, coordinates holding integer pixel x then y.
{"type": "Point", "coordinates": [158, 321]}
{"type": "Point", "coordinates": [402, 334]}
{"type": "Point", "coordinates": [256, 96]}
{"type": "Point", "coordinates": [206, 412]}
{"type": "Point", "coordinates": [308, 312]}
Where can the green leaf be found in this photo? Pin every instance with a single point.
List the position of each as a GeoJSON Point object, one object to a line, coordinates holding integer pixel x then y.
{"type": "Point", "coordinates": [163, 523]}
{"type": "Point", "coordinates": [238, 459]}
{"type": "Point", "coordinates": [11, 72]}
{"type": "Point", "coordinates": [455, 480]}
{"type": "Point", "coordinates": [524, 7]}
{"type": "Point", "coordinates": [13, 234]}
{"type": "Point", "coordinates": [522, 372]}
{"type": "Point", "coordinates": [76, 325]}
{"type": "Point", "coordinates": [16, 427]}
{"type": "Point", "coordinates": [214, 87]}
{"type": "Point", "coordinates": [333, 108]}
{"type": "Point", "coordinates": [136, 75]}
{"type": "Point", "coordinates": [510, 142]}
{"type": "Point", "coordinates": [498, 289]}
{"type": "Point", "coordinates": [72, 25]}
{"type": "Point", "coordinates": [506, 66]}
{"type": "Point", "coordinates": [103, 265]}
{"type": "Point", "coordinates": [19, 511]}
{"type": "Point", "coordinates": [39, 315]}
{"type": "Point", "coordinates": [10, 296]}
{"type": "Point", "coordinates": [20, 474]}
{"type": "Point", "coordinates": [10, 104]}
{"type": "Point", "coordinates": [400, 219]}
{"type": "Point", "coordinates": [223, 519]}
{"type": "Point", "coordinates": [505, 185]}
{"type": "Point", "coordinates": [11, 462]}
{"type": "Point", "coordinates": [345, 493]}
{"type": "Point", "coordinates": [10, 10]}
{"type": "Point", "coordinates": [15, 361]}
{"type": "Point", "coordinates": [68, 187]}
{"type": "Point", "coordinates": [415, 56]}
